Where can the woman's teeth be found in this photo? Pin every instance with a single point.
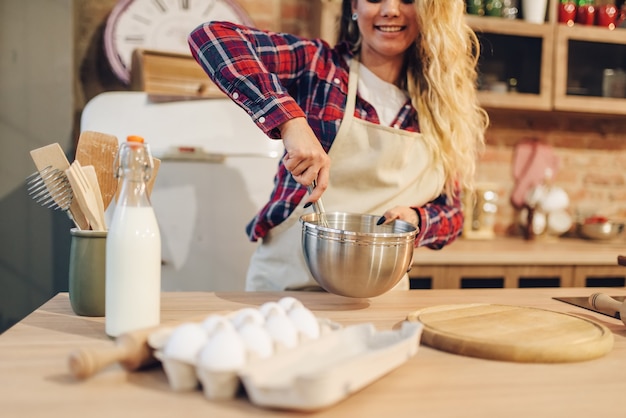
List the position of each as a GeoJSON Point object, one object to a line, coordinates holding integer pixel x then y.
{"type": "Point", "coordinates": [389, 28]}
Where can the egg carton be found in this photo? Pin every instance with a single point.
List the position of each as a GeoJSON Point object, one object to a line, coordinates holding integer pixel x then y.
{"type": "Point", "coordinates": [212, 352]}
{"type": "Point", "coordinates": [325, 364]}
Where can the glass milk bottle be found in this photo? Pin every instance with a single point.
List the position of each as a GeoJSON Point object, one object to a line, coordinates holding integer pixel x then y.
{"type": "Point", "coordinates": [133, 248]}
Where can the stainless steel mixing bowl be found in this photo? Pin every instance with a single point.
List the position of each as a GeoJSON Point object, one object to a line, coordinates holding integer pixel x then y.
{"type": "Point", "coordinates": [601, 231]}
{"type": "Point", "coordinates": [353, 256]}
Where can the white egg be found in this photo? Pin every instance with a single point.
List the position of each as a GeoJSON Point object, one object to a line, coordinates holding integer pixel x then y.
{"type": "Point", "coordinates": [246, 315]}
{"type": "Point", "coordinates": [212, 321]}
{"type": "Point", "coordinates": [305, 322]}
{"type": "Point", "coordinates": [282, 330]}
{"type": "Point", "coordinates": [288, 303]}
{"type": "Point", "coordinates": [257, 340]}
{"type": "Point", "coordinates": [185, 342]}
{"type": "Point", "coordinates": [271, 307]}
{"type": "Point", "coordinates": [224, 351]}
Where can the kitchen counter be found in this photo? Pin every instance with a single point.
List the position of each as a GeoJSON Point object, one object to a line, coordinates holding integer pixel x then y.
{"type": "Point", "coordinates": [516, 250]}
{"type": "Point", "coordinates": [515, 262]}
{"type": "Point", "coordinates": [35, 380]}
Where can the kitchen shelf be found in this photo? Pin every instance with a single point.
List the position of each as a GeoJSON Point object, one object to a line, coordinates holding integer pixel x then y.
{"type": "Point", "coordinates": [569, 74]}
{"type": "Point", "coordinates": [582, 54]}
{"type": "Point", "coordinates": [521, 50]}
{"type": "Point", "coordinates": [544, 59]}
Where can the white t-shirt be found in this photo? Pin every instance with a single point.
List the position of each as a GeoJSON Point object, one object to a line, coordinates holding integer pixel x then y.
{"type": "Point", "coordinates": [386, 98]}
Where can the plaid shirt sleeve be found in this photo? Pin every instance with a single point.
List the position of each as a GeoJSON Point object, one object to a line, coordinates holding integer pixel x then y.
{"type": "Point", "coordinates": [255, 68]}
{"type": "Point", "coordinates": [441, 222]}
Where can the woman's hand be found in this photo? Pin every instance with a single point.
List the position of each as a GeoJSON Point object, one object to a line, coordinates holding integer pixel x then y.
{"type": "Point", "coordinates": [305, 158]}
{"type": "Point", "coordinates": [403, 213]}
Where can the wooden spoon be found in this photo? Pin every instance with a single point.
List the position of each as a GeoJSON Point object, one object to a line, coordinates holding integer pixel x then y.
{"type": "Point", "coordinates": [100, 149]}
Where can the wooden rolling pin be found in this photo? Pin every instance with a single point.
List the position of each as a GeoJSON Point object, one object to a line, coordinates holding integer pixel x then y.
{"type": "Point", "coordinates": [131, 350]}
{"type": "Point", "coordinates": [606, 304]}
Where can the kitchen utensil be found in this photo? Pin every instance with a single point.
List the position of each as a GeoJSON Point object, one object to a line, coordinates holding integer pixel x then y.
{"type": "Point", "coordinates": [512, 333]}
{"type": "Point", "coordinates": [85, 196]}
{"type": "Point", "coordinates": [319, 207]}
{"type": "Point", "coordinates": [99, 149]}
{"type": "Point", "coordinates": [52, 155]}
{"type": "Point", "coordinates": [583, 302]}
{"type": "Point", "coordinates": [609, 305]}
{"type": "Point", "coordinates": [131, 350]}
{"type": "Point", "coordinates": [50, 188]}
{"type": "Point", "coordinates": [354, 256]}
{"type": "Point", "coordinates": [352, 359]}
{"type": "Point", "coordinates": [92, 177]}
{"type": "Point", "coordinates": [601, 231]}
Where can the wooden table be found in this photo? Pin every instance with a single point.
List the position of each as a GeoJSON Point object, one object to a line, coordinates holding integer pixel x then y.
{"type": "Point", "coordinates": [35, 381]}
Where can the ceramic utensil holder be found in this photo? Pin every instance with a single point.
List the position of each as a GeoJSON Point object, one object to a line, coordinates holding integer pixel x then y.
{"type": "Point", "coordinates": [86, 272]}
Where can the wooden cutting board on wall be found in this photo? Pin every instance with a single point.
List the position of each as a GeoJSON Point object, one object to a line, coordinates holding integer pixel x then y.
{"type": "Point", "coordinates": [512, 333]}
{"type": "Point", "coordinates": [170, 76]}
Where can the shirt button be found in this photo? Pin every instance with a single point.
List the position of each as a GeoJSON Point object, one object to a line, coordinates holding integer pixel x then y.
{"type": "Point", "coordinates": [235, 95]}
{"type": "Point", "coordinates": [261, 119]}
{"type": "Point", "coordinates": [336, 81]}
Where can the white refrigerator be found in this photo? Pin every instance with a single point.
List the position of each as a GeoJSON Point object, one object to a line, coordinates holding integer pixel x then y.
{"type": "Point", "coordinates": [217, 170]}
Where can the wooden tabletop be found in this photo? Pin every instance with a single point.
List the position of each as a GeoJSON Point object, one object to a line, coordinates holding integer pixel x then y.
{"type": "Point", "coordinates": [35, 380]}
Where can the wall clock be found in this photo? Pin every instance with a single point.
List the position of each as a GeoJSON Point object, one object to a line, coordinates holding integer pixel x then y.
{"type": "Point", "coordinates": [161, 25]}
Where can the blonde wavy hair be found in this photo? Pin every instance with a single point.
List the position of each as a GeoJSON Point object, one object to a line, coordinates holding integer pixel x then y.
{"type": "Point", "coordinates": [441, 79]}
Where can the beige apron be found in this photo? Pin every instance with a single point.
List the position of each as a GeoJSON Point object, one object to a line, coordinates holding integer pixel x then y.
{"type": "Point", "coordinates": [374, 168]}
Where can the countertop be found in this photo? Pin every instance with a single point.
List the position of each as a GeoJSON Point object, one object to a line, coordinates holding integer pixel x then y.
{"type": "Point", "coordinates": [35, 380]}
{"type": "Point", "coordinates": [518, 251]}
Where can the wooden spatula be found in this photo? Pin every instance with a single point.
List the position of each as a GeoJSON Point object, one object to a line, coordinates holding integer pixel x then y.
{"type": "Point", "coordinates": [86, 196]}
{"type": "Point", "coordinates": [90, 174]}
{"type": "Point", "coordinates": [53, 155]}
{"type": "Point", "coordinates": [99, 150]}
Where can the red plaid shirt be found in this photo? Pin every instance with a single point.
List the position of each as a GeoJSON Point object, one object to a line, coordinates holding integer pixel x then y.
{"type": "Point", "coordinates": [276, 77]}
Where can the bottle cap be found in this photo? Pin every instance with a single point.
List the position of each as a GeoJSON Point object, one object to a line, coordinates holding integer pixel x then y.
{"type": "Point", "coordinates": [135, 138]}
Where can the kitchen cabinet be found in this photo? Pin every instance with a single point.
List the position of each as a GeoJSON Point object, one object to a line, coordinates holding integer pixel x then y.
{"type": "Point", "coordinates": [517, 263]}
{"type": "Point", "coordinates": [548, 66]}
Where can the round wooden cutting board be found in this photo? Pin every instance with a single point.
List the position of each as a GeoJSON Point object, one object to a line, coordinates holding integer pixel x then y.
{"type": "Point", "coordinates": [512, 333]}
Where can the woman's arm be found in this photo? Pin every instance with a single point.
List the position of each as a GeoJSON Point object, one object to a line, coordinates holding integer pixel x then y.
{"type": "Point", "coordinates": [440, 222]}
{"type": "Point", "coordinates": [255, 68]}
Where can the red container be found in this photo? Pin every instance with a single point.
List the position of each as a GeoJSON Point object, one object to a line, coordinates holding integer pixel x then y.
{"type": "Point", "coordinates": [567, 12]}
{"type": "Point", "coordinates": [586, 14]}
{"type": "Point", "coordinates": [606, 15]}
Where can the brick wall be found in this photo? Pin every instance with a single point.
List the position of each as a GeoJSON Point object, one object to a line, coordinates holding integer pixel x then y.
{"type": "Point", "coordinates": [591, 149]}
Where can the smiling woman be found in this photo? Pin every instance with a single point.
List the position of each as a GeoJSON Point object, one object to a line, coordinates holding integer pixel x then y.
{"type": "Point", "coordinates": [393, 106]}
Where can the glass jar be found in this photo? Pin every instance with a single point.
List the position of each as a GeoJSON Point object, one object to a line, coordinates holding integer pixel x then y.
{"type": "Point", "coordinates": [606, 15]}
{"type": "Point", "coordinates": [493, 8]}
{"type": "Point", "coordinates": [510, 9]}
{"type": "Point", "coordinates": [567, 12]}
{"type": "Point", "coordinates": [586, 12]}
{"type": "Point", "coordinates": [476, 7]}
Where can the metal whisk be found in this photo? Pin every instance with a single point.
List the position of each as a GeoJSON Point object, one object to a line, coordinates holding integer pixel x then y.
{"type": "Point", "coordinates": [51, 189]}
{"type": "Point", "coordinates": [318, 207]}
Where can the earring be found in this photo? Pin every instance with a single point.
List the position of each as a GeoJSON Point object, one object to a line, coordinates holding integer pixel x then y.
{"type": "Point", "coordinates": [354, 16]}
